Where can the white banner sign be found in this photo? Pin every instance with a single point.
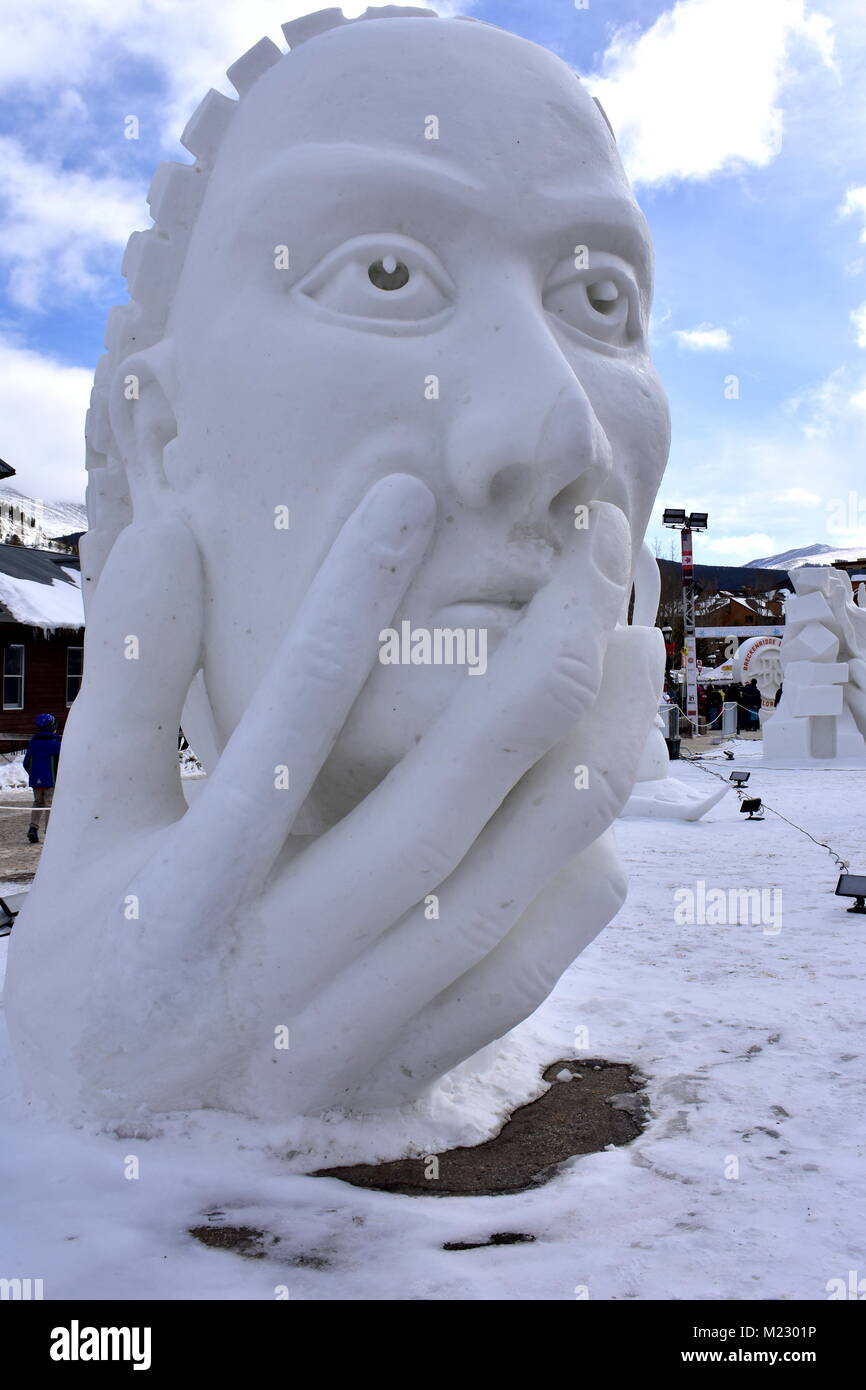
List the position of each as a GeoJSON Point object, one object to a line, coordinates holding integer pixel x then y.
{"type": "Point", "coordinates": [740, 631]}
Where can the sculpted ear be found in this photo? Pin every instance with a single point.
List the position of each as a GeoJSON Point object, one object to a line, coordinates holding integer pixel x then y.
{"type": "Point", "coordinates": [144, 423]}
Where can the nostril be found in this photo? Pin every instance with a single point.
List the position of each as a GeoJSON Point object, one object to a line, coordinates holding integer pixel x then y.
{"type": "Point", "coordinates": [563, 508]}
{"type": "Point", "coordinates": [511, 483]}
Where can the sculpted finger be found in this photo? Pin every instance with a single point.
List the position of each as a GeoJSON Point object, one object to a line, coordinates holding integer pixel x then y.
{"type": "Point", "coordinates": [268, 766]}
{"type": "Point", "coordinates": [509, 984]}
{"type": "Point", "coordinates": [413, 830]}
{"type": "Point", "coordinates": [141, 650]}
{"type": "Point", "coordinates": [552, 815]}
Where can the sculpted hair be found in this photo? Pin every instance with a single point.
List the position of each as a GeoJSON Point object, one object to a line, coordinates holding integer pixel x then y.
{"type": "Point", "coordinates": [154, 259]}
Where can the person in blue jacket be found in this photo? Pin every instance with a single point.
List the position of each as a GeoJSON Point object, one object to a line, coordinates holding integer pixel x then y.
{"type": "Point", "coordinates": [40, 761]}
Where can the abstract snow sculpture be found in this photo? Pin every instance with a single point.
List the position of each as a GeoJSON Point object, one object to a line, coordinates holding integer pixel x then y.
{"type": "Point", "coordinates": [390, 369]}
{"type": "Point", "coordinates": [822, 713]}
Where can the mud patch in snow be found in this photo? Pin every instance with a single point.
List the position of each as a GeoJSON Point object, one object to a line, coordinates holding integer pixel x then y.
{"type": "Point", "coordinates": [589, 1106]}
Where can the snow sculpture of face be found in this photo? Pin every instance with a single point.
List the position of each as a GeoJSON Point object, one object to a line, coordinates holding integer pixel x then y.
{"type": "Point", "coordinates": [391, 367]}
{"type": "Point", "coordinates": [417, 252]}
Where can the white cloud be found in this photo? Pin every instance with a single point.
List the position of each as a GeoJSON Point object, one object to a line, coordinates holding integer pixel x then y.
{"type": "Point", "coordinates": [58, 222]}
{"type": "Point", "coordinates": [855, 205]}
{"type": "Point", "coordinates": [190, 42]}
{"type": "Point", "coordinates": [700, 90]}
{"type": "Point", "coordinates": [704, 338]}
{"type": "Point", "coordinates": [42, 406]}
{"type": "Point", "coordinates": [822, 408]}
{"type": "Point", "coordinates": [795, 473]}
{"type": "Point", "coordinates": [799, 496]}
{"type": "Point", "coordinates": [738, 548]}
{"type": "Point", "coordinates": [858, 318]}
{"type": "Point", "coordinates": [62, 225]}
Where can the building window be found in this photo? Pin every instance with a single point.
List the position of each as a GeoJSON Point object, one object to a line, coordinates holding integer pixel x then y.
{"type": "Point", "coordinates": [74, 669]}
{"type": "Point", "coordinates": [13, 677]}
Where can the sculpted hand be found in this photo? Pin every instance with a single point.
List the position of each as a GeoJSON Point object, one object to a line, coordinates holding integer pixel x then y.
{"type": "Point", "coordinates": [162, 955]}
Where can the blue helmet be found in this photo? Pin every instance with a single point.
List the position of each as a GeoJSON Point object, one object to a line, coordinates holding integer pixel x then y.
{"type": "Point", "coordinates": [46, 721]}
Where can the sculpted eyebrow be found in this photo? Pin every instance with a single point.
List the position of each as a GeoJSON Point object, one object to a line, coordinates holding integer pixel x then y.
{"type": "Point", "coordinates": [620, 233]}
{"type": "Point", "coordinates": [323, 161]}
{"type": "Point", "coordinates": [604, 222]}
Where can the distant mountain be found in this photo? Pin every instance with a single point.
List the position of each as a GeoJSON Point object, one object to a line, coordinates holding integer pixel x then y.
{"type": "Point", "coordinates": [62, 518]}
{"type": "Point", "coordinates": [815, 554]}
{"type": "Point", "coordinates": [56, 519]}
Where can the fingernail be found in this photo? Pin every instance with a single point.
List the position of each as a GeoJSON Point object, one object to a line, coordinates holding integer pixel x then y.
{"type": "Point", "coordinates": [399, 507]}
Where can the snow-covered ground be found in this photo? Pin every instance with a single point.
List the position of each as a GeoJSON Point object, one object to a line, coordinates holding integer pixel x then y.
{"type": "Point", "coordinates": [748, 1184]}
{"type": "Point", "coordinates": [13, 777]}
{"type": "Point", "coordinates": [12, 774]}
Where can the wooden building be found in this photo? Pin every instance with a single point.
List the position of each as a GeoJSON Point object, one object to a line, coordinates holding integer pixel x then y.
{"type": "Point", "coordinates": [41, 639]}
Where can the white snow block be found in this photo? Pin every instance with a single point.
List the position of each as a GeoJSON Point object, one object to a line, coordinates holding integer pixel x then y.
{"type": "Point", "coordinates": [807, 608]}
{"type": "Point", "coordinates": [818, 580]}
{"type": "Point", "coordinates": [814, 643]}
{"type": "Point", "coordinates": [307, 26]}
{"type": "Point", "coordinates": [787, 739]}
{"type": "Point", "coordinates": [249, 68]}
{"type": "Point", "coordinates": [175, 196]}
{"type": "Point", "coordinates": [207, 125]}
{"type": "Point", "coordinates": [814, 699]}
{"type": "Point", "coordinates": [816, 673]}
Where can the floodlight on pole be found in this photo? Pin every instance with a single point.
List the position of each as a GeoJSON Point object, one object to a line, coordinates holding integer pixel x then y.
{"type": "Point", "coordinates": [676, 519]}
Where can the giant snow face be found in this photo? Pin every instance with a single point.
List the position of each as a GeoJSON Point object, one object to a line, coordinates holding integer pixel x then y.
{"type": "Point", "coordinates": [418, 253]}
{"type": "Point", "coordinates": [404, 382]}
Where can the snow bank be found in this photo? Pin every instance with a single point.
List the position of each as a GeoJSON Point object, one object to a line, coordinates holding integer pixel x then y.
{"type": "Point", "coordinates": [746, 1185]}
{"type": "Point", "coordinates": [12, 774]}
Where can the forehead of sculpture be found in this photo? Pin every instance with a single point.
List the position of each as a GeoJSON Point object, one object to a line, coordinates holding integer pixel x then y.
{"type": "Point", "coordinates": [509, 113]}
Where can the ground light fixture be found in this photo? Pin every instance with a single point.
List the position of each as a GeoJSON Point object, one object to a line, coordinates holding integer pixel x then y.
{"type": "Point", "coordinates": [739, 778]}
{"type": "Point", "coordinates": [853, 886]}
{"type": "Point", "coordinates": [754, 806]}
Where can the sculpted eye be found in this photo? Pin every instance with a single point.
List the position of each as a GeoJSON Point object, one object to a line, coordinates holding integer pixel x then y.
{"type": "Point", "coordinates": [386, 278]}
{"type": "Point", "coordinates": [389, 274]}
{"type": "Point", "coordinates": [603, 296]}
{"type": "Point", "coordinates": [602, 303]}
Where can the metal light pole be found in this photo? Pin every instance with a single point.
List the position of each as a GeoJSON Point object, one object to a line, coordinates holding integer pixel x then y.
{"type": "Point", "coordinates": [676, 519]}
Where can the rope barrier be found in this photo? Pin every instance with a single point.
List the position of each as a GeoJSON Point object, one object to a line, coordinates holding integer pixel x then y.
{"type": "Point", "coordinates": [710, 722]}
{"type": "Point", "coordinates": [742, 793]}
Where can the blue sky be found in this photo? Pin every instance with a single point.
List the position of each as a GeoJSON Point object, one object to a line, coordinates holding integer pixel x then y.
{"type": "Point", "coordinates": [741, 123]}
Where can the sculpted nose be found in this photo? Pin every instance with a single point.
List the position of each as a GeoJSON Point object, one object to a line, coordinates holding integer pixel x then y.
{"type": "Point", "coordinates": [528, 431]}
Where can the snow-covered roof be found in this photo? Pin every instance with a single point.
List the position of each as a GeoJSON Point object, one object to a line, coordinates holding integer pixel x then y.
{"type": "Point", "coordinates": [40, 587]}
